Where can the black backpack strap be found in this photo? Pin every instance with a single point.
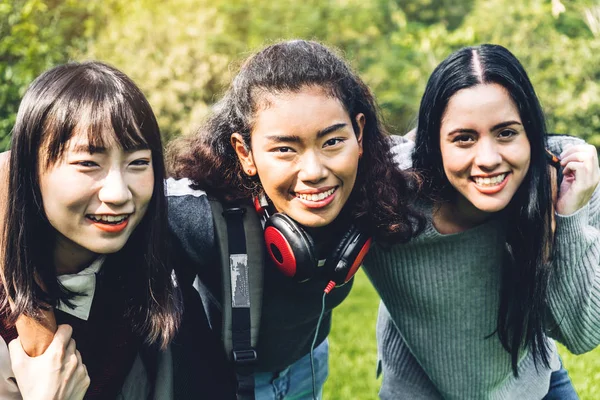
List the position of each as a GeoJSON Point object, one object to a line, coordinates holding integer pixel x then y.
{"type": "Point", "coordinates": [239, 233]}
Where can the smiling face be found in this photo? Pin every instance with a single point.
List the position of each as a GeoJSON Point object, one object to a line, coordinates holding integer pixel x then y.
{"type": "Point", "coordinates": [305, 152]}
{"type": "Point", "coordinates": [94, 201]}
{"type": "Point", "coordinates": [484, 147]}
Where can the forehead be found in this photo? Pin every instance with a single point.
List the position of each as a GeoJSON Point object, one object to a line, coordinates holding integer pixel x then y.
{"type": "Point", "coordinates": [307, 110]}
{"type": "Point", "coordinates": [479, 106]}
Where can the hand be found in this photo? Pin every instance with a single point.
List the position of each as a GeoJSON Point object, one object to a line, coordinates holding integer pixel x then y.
{"type": "Point", "coordinates": [581, 175]}
{"type": "Point", "coordinates": [58, 374]}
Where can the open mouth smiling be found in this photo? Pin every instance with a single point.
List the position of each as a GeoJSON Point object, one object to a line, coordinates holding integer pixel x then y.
{"type": "Point", "coordinates": [109, 219]}
{"type": "Point", "coordinates": [319, 196]}
{"type": "Point", "coordinates": [490, 181]}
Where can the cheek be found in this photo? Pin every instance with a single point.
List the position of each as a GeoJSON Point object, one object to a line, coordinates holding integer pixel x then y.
{"type": "Point", "coordinates": [143, 187]}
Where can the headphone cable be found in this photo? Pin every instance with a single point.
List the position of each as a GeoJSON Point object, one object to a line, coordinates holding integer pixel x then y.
{"type": "Point", "coordinates": [330, 286]}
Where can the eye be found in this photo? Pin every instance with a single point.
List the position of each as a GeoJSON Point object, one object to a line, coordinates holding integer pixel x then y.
{"type": "Point", "coordinates": [506, 134]}
{"type": "Point", "coordinates": [333, 142]}
{"type": "Point", "coordinates": [142, 162]}
{"type": "Point", "coordinates": [283, 149]}
{"type": "Point", "coordinates": [463, 139]}
{"type": "Point", "coordinates": [85, 163]}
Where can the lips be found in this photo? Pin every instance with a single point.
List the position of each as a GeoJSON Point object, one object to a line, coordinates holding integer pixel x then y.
{"type": "Point", "coordinates": [108, 222]}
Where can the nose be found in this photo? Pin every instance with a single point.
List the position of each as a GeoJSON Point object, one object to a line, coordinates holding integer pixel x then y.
{"type": "Point", "coordinates": [114, 188]}
{"type": "Point", "coordinates": [488, 156]}
{"type": "Point", "coordinates": [312, 168]}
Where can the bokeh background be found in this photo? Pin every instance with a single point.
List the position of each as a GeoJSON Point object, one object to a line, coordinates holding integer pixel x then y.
{"type": "Point", "coordinates": [183, 53]}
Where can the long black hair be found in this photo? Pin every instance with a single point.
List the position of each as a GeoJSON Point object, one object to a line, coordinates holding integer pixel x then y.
{"type": "Point", "coordinates": [525, 272]}
{"type": "Point", "coordinates": [379, 203]}
{"type": "Point", "coordinates": [95, 98]}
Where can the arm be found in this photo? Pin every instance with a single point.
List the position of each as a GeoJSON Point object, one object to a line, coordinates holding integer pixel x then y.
{"type": "Point", "coordinates": [574, 290]}
{"type": "Point", "coordinates": [35, 335]}
{"type": "Point", "coordinates": [58, 374]}
{"type": "Point", "coordinates": [402, 148]}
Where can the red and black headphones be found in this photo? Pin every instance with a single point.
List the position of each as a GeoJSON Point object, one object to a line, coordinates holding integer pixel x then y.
{"type": "Point", "coordinates": [293, 250]}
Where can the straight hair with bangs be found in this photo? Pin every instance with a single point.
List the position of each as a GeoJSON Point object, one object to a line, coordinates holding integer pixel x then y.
{"type": "Point", "coordinates": [380, 200]}
{"type": "Point", "coordinates": [95, 98]}
{"type": "Point", "coordinates": [525, 272]}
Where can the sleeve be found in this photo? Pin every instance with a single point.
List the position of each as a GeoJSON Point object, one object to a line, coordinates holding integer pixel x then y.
{"type": "Point", "coordinates": [574, 290]}
{"type": "Point", "coordinates": [402, 148]}
{"type": "Point", "coordinates": [8, 385]}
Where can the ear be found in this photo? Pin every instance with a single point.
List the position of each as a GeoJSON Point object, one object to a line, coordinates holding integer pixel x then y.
{"type": "Point", "coordinates": [360, 123]}
{"type": "Point", "coordinates": [244, 154]}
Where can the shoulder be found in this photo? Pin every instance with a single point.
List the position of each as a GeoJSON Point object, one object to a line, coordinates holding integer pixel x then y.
{"type": "Point", "coordinates": [557, 143]}
{"type": "Point", "coordinates": [184, 199]}
{"type": "Point", "coordinates": [190, 218]}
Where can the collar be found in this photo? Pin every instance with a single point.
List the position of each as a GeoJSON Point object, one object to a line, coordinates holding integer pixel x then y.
{"type": "Point", "coordinates": [83, 282]}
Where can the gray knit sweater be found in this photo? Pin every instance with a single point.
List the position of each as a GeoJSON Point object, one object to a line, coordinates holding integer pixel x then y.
{"type": "Point", "coordinates": [440, 297]}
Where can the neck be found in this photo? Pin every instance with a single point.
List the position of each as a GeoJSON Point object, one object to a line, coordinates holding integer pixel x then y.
{"type": "Point", "coordinates": [70, 258]}
{"type": "Point", "coordinates": [457, 216]}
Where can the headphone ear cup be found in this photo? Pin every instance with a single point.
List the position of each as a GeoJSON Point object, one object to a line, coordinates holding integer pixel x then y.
{"type": "Point", "coordinates": [290, 247]}
{"type": "Point", "coordinates": [348, 256]}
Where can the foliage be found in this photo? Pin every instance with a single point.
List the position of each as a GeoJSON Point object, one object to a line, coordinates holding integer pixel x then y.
{"type": "Point", "coordinates": [183, 53]}
{"type": "Point", "coordinates": [34, 36]}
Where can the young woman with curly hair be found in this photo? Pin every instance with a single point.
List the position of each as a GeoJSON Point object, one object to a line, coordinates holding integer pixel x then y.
{"type": "Point", "coordinates": [298, 129]}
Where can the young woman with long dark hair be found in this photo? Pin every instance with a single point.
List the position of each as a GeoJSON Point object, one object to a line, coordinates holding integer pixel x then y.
{"type": "Point", "coordinates": [470, 306]}
{"type": "Point", "coordinates": [298, 129]}
{"type": "Point", "coordinates": [85, 244]}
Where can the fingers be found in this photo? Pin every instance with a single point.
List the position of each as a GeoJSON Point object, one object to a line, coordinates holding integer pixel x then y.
{"type": "Point", "coordinates": [569, 149]}
{"type": "Point", "coordinates": [15, 349]}
{"type": "Point", "coordinates": [62, 337]}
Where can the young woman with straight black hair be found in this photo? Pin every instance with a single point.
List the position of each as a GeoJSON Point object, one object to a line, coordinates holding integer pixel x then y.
{"type": "Point", "coordinates": [470, 307]}
{"type": "Point", "coordinates": [84, 243]}
{"type": "Point", "coordinates": [299, 129]}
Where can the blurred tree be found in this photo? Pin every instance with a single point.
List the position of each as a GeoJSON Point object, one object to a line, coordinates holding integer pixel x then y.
{"type": "Point", "coordinates": [183, 52]}
{"type": "Point", "coordinates": [34, 36]}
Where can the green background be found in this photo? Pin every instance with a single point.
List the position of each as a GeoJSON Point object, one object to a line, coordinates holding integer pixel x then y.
{"type": "Point", "coordinates": [184, 52]}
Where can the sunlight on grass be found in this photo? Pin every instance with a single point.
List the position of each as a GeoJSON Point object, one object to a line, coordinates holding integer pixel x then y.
{"type": "Point", "coordinates": [354, 353]}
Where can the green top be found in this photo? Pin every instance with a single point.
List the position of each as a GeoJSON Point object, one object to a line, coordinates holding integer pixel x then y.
{"type": "Point", "coordinates": [436, 332]}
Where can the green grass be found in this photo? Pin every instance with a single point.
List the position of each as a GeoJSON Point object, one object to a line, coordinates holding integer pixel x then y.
{"type": "Point", "coordinates": [353, 351]}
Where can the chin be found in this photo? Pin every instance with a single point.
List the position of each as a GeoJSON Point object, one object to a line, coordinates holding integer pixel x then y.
{"type": "Point", "coordinates": [491, 208]}
{"type": "Point", "coordinates": [108, 248]}
{"type": "Point", "coordinates": [312, 220]}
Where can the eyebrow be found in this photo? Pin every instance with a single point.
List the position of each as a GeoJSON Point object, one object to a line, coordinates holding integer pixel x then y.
{"type": "Point", "coordinates": [297, 139]}
{"type": "Point", "coordinates": [88, 148]}
{"type": "Point", "coordinates": [494, 128]}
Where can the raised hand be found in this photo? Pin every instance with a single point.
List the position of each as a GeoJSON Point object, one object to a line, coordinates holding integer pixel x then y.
{"type": "Point", "coordinates": [58, 374]}
{"type": "Point", "coordinates": [581, 175]}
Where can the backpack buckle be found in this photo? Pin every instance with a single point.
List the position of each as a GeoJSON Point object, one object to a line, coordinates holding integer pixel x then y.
{"type": "Point", "coordinates": [234, 211]}
{"type": "Point", "coordinates": [244, 356]}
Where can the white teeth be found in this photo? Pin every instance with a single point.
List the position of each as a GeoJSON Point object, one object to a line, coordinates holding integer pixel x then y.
{"type": "Point", "coordinates": [108, 218]}
{"type": "Point", "coordinates": [317, 196]}
{"type": "Point", "coordinates": [493, 181]}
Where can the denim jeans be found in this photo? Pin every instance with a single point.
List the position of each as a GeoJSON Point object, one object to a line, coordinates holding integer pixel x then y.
{"type": "Point", "coordinates": [561, 387]}
{"type": "Point", "coordinates": [295, 382]}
